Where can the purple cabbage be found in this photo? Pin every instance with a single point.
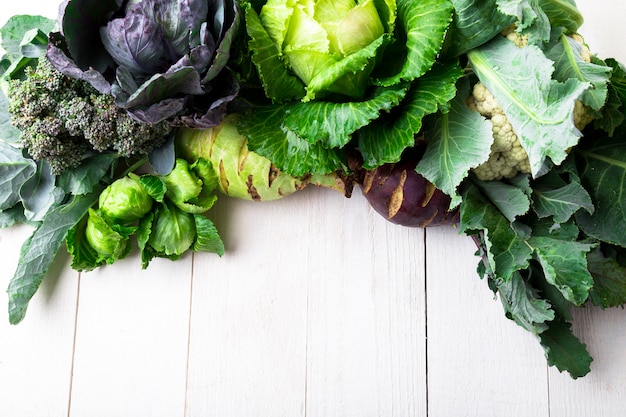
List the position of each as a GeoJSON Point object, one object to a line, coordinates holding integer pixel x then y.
{"type": "Point", "coordinates": [160, 59]}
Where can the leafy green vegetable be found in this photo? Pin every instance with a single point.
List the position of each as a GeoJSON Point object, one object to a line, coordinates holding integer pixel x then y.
{"type": "Point", "coordinates": [40, 249]}
{"type": "Point", "coordinates": [539, 108]}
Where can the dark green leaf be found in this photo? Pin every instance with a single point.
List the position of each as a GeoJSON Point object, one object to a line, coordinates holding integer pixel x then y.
{"type": "Point", "coordinates": [523, 305]}
{"type": "Point", "coordinates": [560, 200]}
{"type": "Point", "coordinates": [39, 194]}
{"type": "Point", "coordinates": [562, 13]}
{"type": "Point", "coordinates": [564, 350]}
{"type": "Point", "coordinates": [609, 276]}
{"type": "Point", "coordinates": [15, 29]}
{"type": "Point", "coordinates": [511, 200]}
{"type": "Point", "coordinates": [602, 164]}
{"type": "Point", "coordinates": [39, 251]}
{"type": "Point", "coordinates": [82, 179]}
{"type": "Point", "coordinates": [475, 23]}
{"type": "Point", "coordinates": [507, 249]}
{"type": "Point", "coordinates": [8, 133]}
{"type": "Point", "coordinates": [564, 264]}
{"type": "Point", "coordinates": [15, 170]}
{"type": "Point", "coordinates": [569, 63]}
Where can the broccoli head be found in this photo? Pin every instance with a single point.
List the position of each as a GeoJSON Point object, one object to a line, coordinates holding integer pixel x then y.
{"type": "Point", "coordinates": [62, 119]}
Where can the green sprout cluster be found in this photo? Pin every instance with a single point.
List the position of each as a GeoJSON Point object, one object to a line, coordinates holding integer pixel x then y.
{"type": "Point", "coordinates": [62, 119]}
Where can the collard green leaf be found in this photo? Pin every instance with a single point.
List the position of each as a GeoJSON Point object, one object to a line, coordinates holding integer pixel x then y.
{"type": "Point", "coordinates": [602, 162]}
{"type": "Point", "coordinates": [15, 170]}
{"type": "Point", "coordinates": [11, 216]}
{"type": "Point", "coordinates": [16, 28]}
{"type": "Point", "coordinates": [609, 277]}
{"type": "Point", "coordinates": [460, 140]}
{"type": "Point", "coordinates": [507, 249]}
{"type": "Point", "coordinates": [39, 194]}
{"type": "Point", "coordinates": [523, 304]}
{"type": "Point", "coordinates": [569, 63]}
{"type": "Point", "coordinates": [510, 199]}
{"type": "Point", "coordinates": [539, 108]}
{"type": "Point", "coordinates": [564, 264]}
{"type": "Point", "coordinates": [553, 197]}
{"type": "Point", "coordinates": [39, 251]}
{"type": "Point", "coordinates": [82, 179]}
{"type": "Point", "coordinates": [564, 350]}
{"type": "Point", "coordinates": [384, 140]}
{"type": "Point", "coordinates": [8, 133]}
{"type": "Point", "coordinates": [424, 25]}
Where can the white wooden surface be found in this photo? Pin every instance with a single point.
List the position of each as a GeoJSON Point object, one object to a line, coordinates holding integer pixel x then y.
{"type": "Point", "coordinates": [319, 308]}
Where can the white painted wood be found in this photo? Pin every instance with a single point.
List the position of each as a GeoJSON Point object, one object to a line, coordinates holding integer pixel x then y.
{"type": "Point", "coordinates": [366, 313]}
{"type": "Point", "coordinates": [603, 390]}
{"type": "Point", "coordinates": [248, 327]}
{"type": "Point", "coordinates": [318, 308]}
{"type": "Point", "coordinates": [36, 354]}
{"type": "Point", "coordinates": [132, 340]}
{"type": "Point", "coordinates": [322, 317]}
{"type": "Point", "coordinates": [479, 362]}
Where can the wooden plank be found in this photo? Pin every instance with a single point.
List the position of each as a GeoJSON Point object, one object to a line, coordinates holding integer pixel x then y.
{"type": "Point", "coordinates": [36, 354]}
{"type": "Point", "coordinates": [603, 390]}
{"type": "Point", "coordinates": [366, 320]}
{"type": "Point", "coordinates": [479, 362]}
{"type": "Point", "coordinates": [132, 339]}
{"type": "Point", "coordinates": [248, 328]}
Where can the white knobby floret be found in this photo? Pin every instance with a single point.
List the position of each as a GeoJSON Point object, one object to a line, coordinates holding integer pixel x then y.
{"type": "Point", "coordinates": [511, 33]}
{"type": "Point", "coordinates": [507, 157]}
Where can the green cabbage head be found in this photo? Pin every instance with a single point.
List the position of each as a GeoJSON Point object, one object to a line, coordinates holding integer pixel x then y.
{"type": "Point", "coordinates": [331, 45]}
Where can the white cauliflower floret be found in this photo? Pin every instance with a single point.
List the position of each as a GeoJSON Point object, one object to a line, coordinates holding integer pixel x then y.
{"type": "Point", "coordinates": [507, 157]}
{"type": "Point", "coordinates": [517, 38]}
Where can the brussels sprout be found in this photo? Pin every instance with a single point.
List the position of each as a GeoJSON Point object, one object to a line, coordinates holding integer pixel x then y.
{"type": "Point", "coordinates": [110, 244]}
{"type": "Point", "coordinates": [125, 200]}
{"type": "Point", "coordinates": [173, 231]}
{"type": "Point", "coordinates": [161, 59]}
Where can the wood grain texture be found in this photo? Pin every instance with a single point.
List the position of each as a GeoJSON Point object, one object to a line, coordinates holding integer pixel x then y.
{"type": "Point", "coordinates": [36, 355]}
{"type": "Point", "coordinates": [319, 308]}
{"type": "Point", "coordinates": [479, 362]}
{"type": "Point", "coordinates": [132, 340]}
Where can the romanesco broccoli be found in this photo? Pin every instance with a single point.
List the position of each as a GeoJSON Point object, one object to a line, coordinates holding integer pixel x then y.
{"type": "Point", "coordinates": [62, 119]}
